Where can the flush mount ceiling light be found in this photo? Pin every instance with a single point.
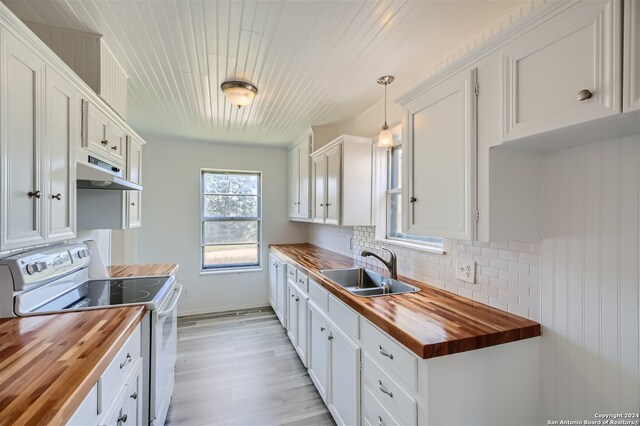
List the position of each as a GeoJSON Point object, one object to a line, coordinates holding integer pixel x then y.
{"type": "Point", "coordinates": [385, 139]}
{"type": "Point", "coordinates": [239, 93]}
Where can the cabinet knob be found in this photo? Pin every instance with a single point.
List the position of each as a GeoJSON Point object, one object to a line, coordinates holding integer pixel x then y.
{"type": "Point", "coordinates": [58, 196]}
{"type": "Point", "coordinates": [114, 147]}
{"type": "Point", "coordinates": [122, 419]}
{"type": "Point", "coordinates": [330, 338]}
{"type": "Point", "coordinates": [297, 299]}
{"type": "Point", "coordinates": [293, 295]}
{"type": "Point", "coordinates": [328, 204]}
{"type": "Point", "coordinates": [413, 199]}
{"type": "Point", "coordinates": [322, 328]}
{"type": "Point", "coordinates": [134, 395]}
{"type": "Point", "coordinates": [36, 194]}
{"type": "Point", "coordinates": [321, 205]}
{"type": "Point", "coordinates": [127, 360]}
{"type": "Point", "coordinates": [584, 94]}
{"type": "Point", "coordinates": [133, 203]}
{"type": "Point", "coordinates": [104, 142]}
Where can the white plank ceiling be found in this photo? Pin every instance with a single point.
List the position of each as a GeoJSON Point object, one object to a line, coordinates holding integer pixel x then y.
{"type": "Point", "coordinates": [314, 62]}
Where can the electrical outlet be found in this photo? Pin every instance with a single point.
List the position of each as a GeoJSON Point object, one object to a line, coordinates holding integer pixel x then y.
{"type": "Point", "coordinates": [185, 293]}
{"type": "Point", "coordinates": [466, 270]}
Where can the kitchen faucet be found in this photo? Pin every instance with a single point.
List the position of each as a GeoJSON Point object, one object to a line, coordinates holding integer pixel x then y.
{"type": "Point", "coordinates": [392, 264]}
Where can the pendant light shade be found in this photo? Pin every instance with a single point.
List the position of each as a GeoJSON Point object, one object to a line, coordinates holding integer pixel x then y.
{"type": "Point", "coordinates": [239, 93]}
{"type": "Point", "coordinates": [385, 138]}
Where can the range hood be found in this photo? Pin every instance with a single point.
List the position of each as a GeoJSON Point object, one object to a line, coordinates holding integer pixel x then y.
{"type": "Point", "coordinates": [90, 176]}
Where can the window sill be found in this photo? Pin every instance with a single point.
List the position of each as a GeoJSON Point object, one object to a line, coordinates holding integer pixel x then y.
{"type": "Point", "coordinates": [228, 271]}
{"type": "Point", "coordinates": [413, 246]}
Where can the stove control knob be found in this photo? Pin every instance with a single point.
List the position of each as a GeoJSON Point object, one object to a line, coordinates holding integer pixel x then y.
{"type": "Point", "coordinates": [82, 253]}
{"type": "Point", "coordinates": [32, 268]}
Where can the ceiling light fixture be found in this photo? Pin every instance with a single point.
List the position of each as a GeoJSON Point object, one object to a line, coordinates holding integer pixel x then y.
{"type": "Point", "coordinates": [385, 138]}
{"type": "Point", "coordinates": [239, 93]}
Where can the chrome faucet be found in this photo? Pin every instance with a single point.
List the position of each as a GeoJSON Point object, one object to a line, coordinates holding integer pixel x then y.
{"type": "Point", "coordinates": [392, 264]}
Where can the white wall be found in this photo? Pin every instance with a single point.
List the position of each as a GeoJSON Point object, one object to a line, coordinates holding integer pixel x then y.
{"type": "Point", "coordinates": [171, 218]}
{"type": "Point", "coordinates": [590, 275]}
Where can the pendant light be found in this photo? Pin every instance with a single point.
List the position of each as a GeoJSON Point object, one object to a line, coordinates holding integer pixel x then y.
{"type": "Point", "coordinates": [239, 93]}
{"type": "Point", "coordinates": [385, 139]}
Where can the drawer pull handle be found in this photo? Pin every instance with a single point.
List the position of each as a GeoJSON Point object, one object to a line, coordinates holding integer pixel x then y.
{"type": "Point", "coordinates": [134, 395]}
{"type": "Point", "coordinates": [383, 353]}
{"type": "Point", "coordinates": [127, 360]}
{"type": "Point", "coordinates": [122, 419]}
{"type": "Point", "coordinates": [104, 142]}
{"type": "Point", "coordinates": [584, 94]}
{"type": "Point", "coordinates": [380, 421]}
{"type": "Point", "coordinates": [58, 196]}
{"type": "Point", "coordinates": [383, 390]}
{"type": "Point", "coordinates": [114, 147]}
{"type": "Point", "coordinates": [322, 328]}
{"type": "Point", "coordinates": [36, 194]}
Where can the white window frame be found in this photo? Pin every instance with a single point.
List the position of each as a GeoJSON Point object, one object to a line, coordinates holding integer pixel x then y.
{"type": "Point", "coordinates": [380, 159]}
{"type": "Point", "coordinates": [230, 268]}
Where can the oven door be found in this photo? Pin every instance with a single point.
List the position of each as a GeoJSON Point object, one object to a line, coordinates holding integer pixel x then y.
{"type": "Point", "coordinates": [164, 354]}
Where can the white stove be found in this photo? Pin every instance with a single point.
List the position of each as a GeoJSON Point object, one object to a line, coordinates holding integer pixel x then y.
{"type": "Point", "coordinates": [54, 280]}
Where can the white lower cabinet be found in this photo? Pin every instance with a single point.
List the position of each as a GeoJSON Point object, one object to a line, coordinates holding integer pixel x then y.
{"type": "Point", "coordinates": [297, 319]}
{"type": "Point", "coordinates": [343, 397]}
{"type": "Point", "coordinates": [116, 398]}
{"type": "Point", "coordinates": [318, 359]}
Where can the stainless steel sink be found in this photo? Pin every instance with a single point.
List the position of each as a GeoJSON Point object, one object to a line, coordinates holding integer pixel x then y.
{"type": "Point", "coordinates": [365, 283]}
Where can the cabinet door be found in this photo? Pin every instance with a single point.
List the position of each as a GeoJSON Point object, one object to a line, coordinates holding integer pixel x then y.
{"type": "Point", "coordinates": [333, 182]}
{"type": "Point", "coordinates": [292, 315]}
{"type": "Point", "coordinates": [344, 378]}
{"type": "Point", "coordinates": [117, 142]}
{"type": "Point", "coordinates": [564, 72]}
{"type": "Point", "coordinates": [87, 412]}
{"type": "Point", "coordinates": [439, 199]}
{"type": "Point", "coordinates": [133, 397]}
{"type": "Point", "coordinates": [319, 188]}
{"type": "Point", "coordinates": [294, 181]}
{"type": "Point", "coordinates": [304, 210]}
{"type": "Point", "coordinates": [134, 161]}
{"type": "Point", "coordinates": [134, 209]}
{"type": "Point", "coordinates": [282, 293]}
{"type": "Point", "coordinates": [303, 312]}
{"type": "Point", "coordinates": [317, 361]}
{"type": "Point", "coordinates": [21, 145]}
{"type": "Point", "coordinates": [631, 57]}
{"type": "Point", "coordinates": [63, 130]}
{"type": "Point", "coordinates": [95, 135]}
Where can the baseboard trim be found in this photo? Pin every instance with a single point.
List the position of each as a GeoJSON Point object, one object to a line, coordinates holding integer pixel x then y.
{"type": "Point", "coordinates": [222, 310]}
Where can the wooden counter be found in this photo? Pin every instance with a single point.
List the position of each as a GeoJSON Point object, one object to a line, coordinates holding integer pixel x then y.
{"type": "Point", "coordinates": [145, 270]}
{"type": "Point", "coordinates": [431, 323]}
{"type": "Point", "coordinates": [49, 363]}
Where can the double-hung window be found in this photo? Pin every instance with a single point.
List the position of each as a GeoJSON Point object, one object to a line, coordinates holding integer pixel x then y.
{"type": "Point", "coordinates": [231, 219]}
{"type": "Point", "coordinates": [394, 203]}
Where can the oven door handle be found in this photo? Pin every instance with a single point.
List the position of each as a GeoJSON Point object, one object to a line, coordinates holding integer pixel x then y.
{"type": "Point", "coordinates": [165, 312]}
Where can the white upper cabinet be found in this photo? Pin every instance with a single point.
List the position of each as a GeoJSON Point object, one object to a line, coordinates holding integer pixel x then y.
{"type": "Point", "coordinates": [134, 160]}
{"type": "Point", "coordinates": [22, 110]}
{"type": "Point", "coordinates": [341, 174]}
{"type": "Point", "coordinates": [440, 134]}
{"type": "Point", "coordinates": [563, 72]}
{"type": "Point", "coordinates": [63, 107]}
{"type": "Point", "coordinates": [103, 137]}
{"type": "Point", "coordinates": [300, 179]}
{"type": "Point", "coordinates": [631, 56]}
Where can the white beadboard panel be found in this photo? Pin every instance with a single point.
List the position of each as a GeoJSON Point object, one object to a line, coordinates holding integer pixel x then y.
{"type": "Point", "coordinates": [113, 81]}
{"type": "Point", "coordinates": [590, 280]}
{"type": "Point", "coordinates": [497, 284]}
{"type": "Point", "coordinates": [314, 62]}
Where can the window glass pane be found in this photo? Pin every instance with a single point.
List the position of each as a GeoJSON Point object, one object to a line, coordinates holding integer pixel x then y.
{"type": "Point", "coordinates": [230, 255]}
{"type": "Point", "coordinates": [232, 231]}
{"type": "Point", "coordinates": [231, 183]}
{"type": "Point", "coordinates": [230, 206]}
{"type": "Point", "coordinates": [395, 168]}
{"type": "Point", "coordinates": [394, 202]}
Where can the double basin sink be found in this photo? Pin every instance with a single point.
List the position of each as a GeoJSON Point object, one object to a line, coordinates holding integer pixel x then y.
{"type": "Point", "coordinates": [366, 283]}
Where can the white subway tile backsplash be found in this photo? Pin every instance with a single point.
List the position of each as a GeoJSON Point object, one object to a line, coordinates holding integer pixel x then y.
{"type": "Point", "coordinates": [507, 273]}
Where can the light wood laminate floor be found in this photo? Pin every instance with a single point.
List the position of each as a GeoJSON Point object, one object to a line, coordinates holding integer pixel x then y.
{"type": "Point", "coordinates": [241, 369]}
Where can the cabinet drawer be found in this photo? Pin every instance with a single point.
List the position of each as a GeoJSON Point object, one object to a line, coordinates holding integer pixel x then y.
{"type": "Point", "coordinates": [303, 281]}
{"type": "Point", "coordinates": [319, 295]}
{"type": "Point", "coordinates": [374, 412]}
{"type": "Point", "coordinates": [115, 374]}
{"type": "Point", "coordinates": [344, 317]}
{"type": "Point", "coordinates": [291, 273]}
{"type": "Point", "coordinates": [399, 403]}
{"type": "Point", "coordinates": [390, 355]}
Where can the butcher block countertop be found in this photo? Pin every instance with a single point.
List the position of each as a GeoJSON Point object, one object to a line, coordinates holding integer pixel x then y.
{"type": "Point", "coordinates": [430, 323]}
{"type": "Point", "coordinates": [49, 363]}
{"type": "Point", "coordinates": [145, 270]}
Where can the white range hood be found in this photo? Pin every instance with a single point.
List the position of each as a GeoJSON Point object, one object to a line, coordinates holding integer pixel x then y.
{"type": "Point", "coordinates": [90, 176]}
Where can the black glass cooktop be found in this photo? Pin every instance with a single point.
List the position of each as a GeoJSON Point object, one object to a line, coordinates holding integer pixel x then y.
{"type": "Point", "coordinates": [112, 292]}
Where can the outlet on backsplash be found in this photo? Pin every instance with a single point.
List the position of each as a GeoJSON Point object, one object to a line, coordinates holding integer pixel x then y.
{"type": "Point", "coordinates": [466, 270]}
